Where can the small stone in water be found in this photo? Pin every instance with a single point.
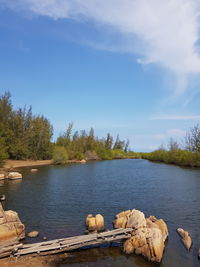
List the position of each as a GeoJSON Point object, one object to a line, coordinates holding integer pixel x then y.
{"type": "Point", "coordinates": [33, 234]}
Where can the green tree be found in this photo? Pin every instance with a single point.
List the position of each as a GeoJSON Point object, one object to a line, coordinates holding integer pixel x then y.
{"type": "Point", "coordinates": [60, 155]}
{"type": "Point", "coordinates": [109, 141]}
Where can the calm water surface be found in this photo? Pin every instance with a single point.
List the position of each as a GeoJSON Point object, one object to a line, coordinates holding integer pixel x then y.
{"type": "Point", "coordinates": [56, 200]}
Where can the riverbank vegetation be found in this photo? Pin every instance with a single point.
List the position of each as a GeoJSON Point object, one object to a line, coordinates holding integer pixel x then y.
{"type": "Point", "coordinates": [186, 154]}
{"type": "Point", "coordinates": [82, 145]}
{"type": "Point", "coordinates": [24, 135]}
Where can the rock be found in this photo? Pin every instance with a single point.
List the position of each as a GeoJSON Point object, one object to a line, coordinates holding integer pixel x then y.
{"type": "Point", "coordinates": [91, 155]}
{"type": "Point", "coordinates": [11, 228]}
{"type": "Point", "coordinates": [147, 242]}
{"type": "Point", "coordinates": [95, 223]}
{"type": "Point", "coordinates": [148, 235]}
{"type": "Point", "coordinates": [136, 219]}
{"type": "Point", "coordinates": [87, 219]}
{"type": "Point", "coordinates": [130, 219]}
{"type": "Point", "coordinates": [160, 224]}
{"type": "Point", "coordinates": [33, 234]}
{"type": "Point", "coordinates": [120, 222]}
{"type": "Point", "coordinates": [2, 176]}
{"type": "Point", "coordinates": [92, 224]}
{"type": "Point", "coordinates": [99, 222]}
{"type": "Point", "coordinates": [44, 238]}
{"type": "Point", "coordinates": [83, 161]}
{"type": "Point", "coordinates": [186, 238]}
{"type": "Point", "coordinates": [14, 175]}
{"type": "Point", "coordinates": [34, 170]}
{"type": "Point", "coordinates": [122, 214]}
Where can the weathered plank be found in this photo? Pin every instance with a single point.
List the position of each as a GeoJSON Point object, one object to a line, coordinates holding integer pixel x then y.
{"type": "Point", "coordinates": [66, 244]}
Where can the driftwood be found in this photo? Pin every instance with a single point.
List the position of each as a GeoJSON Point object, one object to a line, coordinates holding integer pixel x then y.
{"type": "Point", "coordinates": [65, 244]}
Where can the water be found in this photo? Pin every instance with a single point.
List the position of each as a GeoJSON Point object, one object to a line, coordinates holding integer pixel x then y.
{"type": "Point", "coordinates": [56, 200]}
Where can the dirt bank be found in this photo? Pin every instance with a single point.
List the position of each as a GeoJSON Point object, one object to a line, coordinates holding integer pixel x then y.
{"type": "Point", "coordinates": [25, 163]}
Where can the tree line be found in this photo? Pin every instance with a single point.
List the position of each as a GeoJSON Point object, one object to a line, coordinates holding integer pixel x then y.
{"type": "Point", "coordinates": [186, 153]}
{"type": "Point", "coordinates": [24, 135]}
{"type": "Point", "coordinates": [82, 145]}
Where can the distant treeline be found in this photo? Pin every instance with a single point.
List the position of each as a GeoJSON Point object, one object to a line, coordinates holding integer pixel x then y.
{"type": "Point", "coordinates": [82, 145]}
{"type": "Point", "coordinates": [186, 154]}
{"type": "Point", "coordinates": [27, 136]}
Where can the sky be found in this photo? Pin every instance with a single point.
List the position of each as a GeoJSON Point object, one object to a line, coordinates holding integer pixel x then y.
{"type": "Point", "coordinates": [128, 67]}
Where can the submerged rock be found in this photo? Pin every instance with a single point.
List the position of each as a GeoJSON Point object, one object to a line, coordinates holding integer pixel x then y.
{"type": "Point", "coordinates": [186, 238]}
{"type": "Point", "coordinates": [34, 170]}
{"type": "Point", "coordinates": [14, 175]}
{"type": "Point", "coordinates": [148, 235]}
{"type": "Point", "coordinates": [33, 234]}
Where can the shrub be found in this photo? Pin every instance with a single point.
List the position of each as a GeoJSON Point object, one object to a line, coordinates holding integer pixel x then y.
{"type": "Point", "coordinates": [60, 155]}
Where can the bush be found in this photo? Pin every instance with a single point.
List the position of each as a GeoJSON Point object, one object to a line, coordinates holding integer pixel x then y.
{"type": "Point", "coordinates": [79, 156]}
{"type": "Point", "coordinates": [60, 155]}
{"type": "Point", "coordinates": [178, 157]}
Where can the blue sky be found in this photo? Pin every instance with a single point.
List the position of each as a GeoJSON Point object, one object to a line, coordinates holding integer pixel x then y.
{"type": "Point", "coordinates": [129, 67]}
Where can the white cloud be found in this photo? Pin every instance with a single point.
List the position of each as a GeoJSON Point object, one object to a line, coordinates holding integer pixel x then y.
{"type": "Point", "coordinates": [165, 32]}
{"type": "Point", "coordinates": [175, 117]}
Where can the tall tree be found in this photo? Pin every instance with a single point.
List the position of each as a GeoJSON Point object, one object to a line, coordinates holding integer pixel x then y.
{"type": "Point", "coordinates": [109, 141]}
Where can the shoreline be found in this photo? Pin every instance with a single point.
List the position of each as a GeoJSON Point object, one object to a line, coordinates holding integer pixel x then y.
{"type": "Point", "coordinates": [14, 164]}
{"type": "Point", "coordinates": [10, 164]}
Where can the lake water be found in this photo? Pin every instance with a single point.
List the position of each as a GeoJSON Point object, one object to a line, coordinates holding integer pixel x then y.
{"type": "Point", "coordinates": [56, 200]}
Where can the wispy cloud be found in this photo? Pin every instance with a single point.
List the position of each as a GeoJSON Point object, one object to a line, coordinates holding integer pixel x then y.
{"type": "Point", "coordinates": [165, 33]}
{"type": "Point", "coordinates": [175, 133]}
{"type": "Point", "coordinates": [174, 117]}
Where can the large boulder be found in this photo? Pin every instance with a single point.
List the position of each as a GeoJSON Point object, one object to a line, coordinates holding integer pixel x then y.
{"type": "Point", "coordinates": [11, 228]}
{"type": "Point", "coordinates": [153, 222]}
{"type": "Point", "coordinates": [136, 219]}
{"type": "Point", "coordinates": [147, 242]}
{"type": "Point", "coordinates": [130, 219]}
{"type": "Point", "coordinates": [148, 235]}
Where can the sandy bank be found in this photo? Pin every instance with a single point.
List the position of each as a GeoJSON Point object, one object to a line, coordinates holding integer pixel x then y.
{"type": "Point", "coordinates": [25, 163]}
{"type": "Point", "coordinates": [12, 164]}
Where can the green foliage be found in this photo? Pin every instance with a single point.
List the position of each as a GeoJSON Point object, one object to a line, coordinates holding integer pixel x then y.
{"type": "Point", "coordinates": [27, 136]}
{"type": "Point", "coordinates": [60, 155]}
{"type": "Point", "coordinates": [23, 135]}
{"type": "Point", "coordinates": [82, 145]}
{"type": "Point", "coordinates": [105, 154]}
{"type": "Point", "coordinates": [3, 154]}
{"type": "Point", "coordinates": [177, 157]}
